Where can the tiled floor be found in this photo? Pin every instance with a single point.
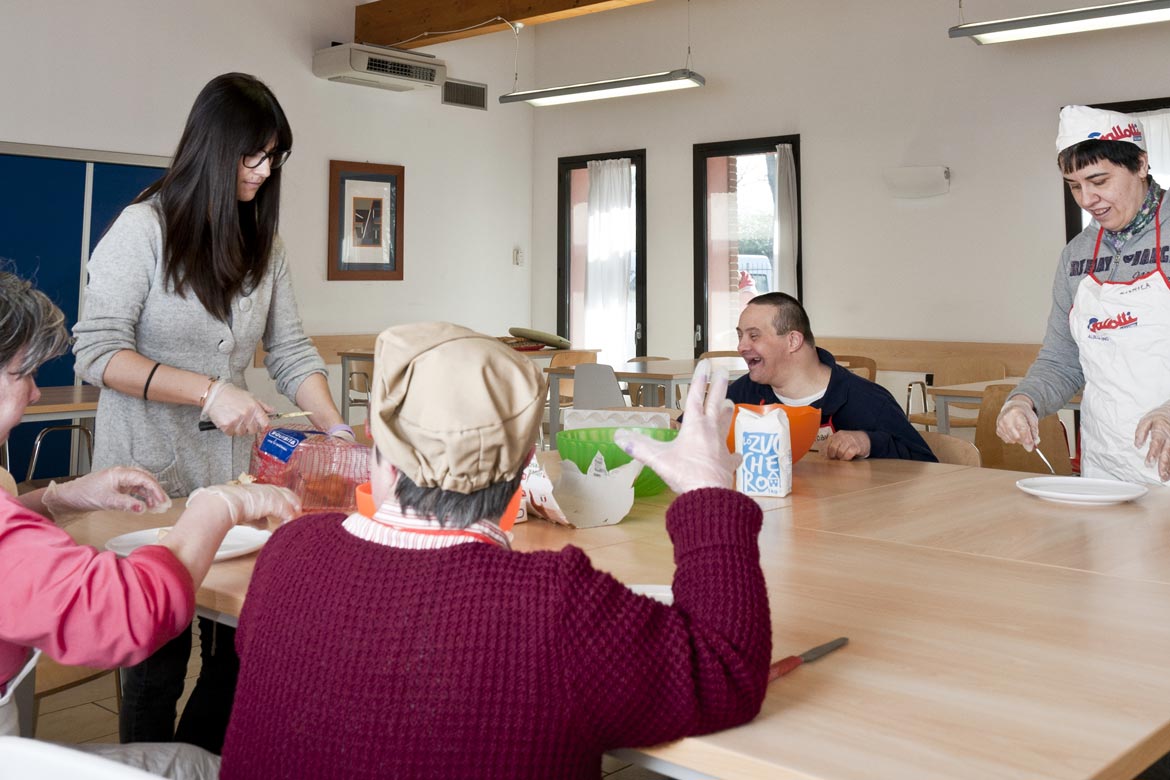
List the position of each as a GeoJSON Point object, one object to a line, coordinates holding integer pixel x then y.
{"type": "Point", "coordinates": [89, 713]}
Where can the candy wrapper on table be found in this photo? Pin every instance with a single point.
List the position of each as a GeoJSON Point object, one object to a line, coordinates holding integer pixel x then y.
{"type": "Point", "coordinates": [322, 470]}
{"type": "Point", "coordinates": [557, 491]}
{"type": "Point", "coordinates": [761, 436]}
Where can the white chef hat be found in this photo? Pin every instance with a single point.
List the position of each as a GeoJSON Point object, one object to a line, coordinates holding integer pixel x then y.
{"type": "Point", "coordinates": [1082, 123]}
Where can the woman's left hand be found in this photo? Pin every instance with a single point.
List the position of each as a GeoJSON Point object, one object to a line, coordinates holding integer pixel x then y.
{"type": "Point", "coordinates": [121, 488]}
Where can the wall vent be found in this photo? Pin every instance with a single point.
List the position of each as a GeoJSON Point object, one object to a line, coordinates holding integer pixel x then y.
{"type": "Point", "coordinates": [467, 94]}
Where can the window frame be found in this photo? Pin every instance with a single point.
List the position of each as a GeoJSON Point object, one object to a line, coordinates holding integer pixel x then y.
{"type": "Point", "coordinates": [701, 152]}
{"type": "Point", "coordinates": [565, 168]}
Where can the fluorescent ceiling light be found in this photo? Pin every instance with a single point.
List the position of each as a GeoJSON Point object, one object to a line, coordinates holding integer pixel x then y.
{"type": "Point", "coordinates": [597, 90]}
{"type": "Point", "coordinates": [1099, 17]}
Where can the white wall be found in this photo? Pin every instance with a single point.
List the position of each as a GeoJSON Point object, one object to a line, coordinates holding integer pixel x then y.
{"type": "Point", "coordinates": [121, 75]}
{"type": "Point", "coordinates": [867, 86]}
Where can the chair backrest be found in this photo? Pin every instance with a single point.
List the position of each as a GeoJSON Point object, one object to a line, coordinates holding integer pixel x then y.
{"type": "Point", "coordinates": [952, 449]}
{"type": "Point", "coordinates": [570, 357]}
{"type": "Point", "coordinates": [358, 381]}
{"type": "Point", "coordinates": [997, 455]}
{"type": "Point", "coordinates": [719, 353]}
{"type": "Point", "coordinates": [7, 482]}
{"type": "Point", "coordinates": [646, 395]}
{"type": "Point", "coordinates": [865, 366]}
{"type": "Point", "coordinates": [596, 387]}
{"type": "Point", "coordinates": [85, 433]}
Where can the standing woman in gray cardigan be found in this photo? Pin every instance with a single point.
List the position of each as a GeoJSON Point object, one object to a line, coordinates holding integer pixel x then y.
{"type": "Point", "coordinates": [183, 286]}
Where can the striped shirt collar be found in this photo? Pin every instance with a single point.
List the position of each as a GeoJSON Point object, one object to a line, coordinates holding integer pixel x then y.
{"type": "Point", "coordinates": [405, 529]}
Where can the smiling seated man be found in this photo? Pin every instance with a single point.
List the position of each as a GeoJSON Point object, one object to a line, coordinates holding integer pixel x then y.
{"type": "Point", "coordinates": [416, 643]}
{"type": "Point", "coordinates": [859, 419]}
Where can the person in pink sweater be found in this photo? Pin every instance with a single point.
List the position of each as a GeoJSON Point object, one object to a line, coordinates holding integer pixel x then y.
{"type": "Point", "coordinates": [76, 604]}
{"type": "Point", "coordinates": [416, 644]}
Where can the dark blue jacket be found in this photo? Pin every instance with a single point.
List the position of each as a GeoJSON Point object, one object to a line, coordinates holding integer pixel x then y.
{"type": "Point", "coordinates": [851, 403]}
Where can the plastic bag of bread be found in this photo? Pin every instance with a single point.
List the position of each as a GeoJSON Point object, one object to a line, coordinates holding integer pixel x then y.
{"type": "Point", "coordinates": [322, 470]}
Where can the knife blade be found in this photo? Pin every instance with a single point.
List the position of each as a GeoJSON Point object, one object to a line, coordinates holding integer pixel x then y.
{"type": "Point", "coordinates": [208, 425]}
{"type": "Point", "coordinates": [786, 665]}
{"type": "Point", "coordinates": [1039, 452]}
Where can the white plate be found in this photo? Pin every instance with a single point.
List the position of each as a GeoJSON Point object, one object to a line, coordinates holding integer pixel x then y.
{"type": "Point", "coordinates": [241, 540]}
{"type": "Point", "coordinates": [1078, 490]}
{"type": "Point", "coordinates": [661, 593]}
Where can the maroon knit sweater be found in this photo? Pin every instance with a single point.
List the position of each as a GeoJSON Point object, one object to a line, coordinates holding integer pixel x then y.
{"type": "Point", "coordinates": [359, 660]}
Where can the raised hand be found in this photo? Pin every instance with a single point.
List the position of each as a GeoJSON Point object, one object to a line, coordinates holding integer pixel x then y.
{"type": "Point", "coordinates": [698, 456]}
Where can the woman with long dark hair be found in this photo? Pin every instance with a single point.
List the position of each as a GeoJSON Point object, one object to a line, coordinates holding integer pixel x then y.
{"type": "Point", "coordinates": [183, 286]}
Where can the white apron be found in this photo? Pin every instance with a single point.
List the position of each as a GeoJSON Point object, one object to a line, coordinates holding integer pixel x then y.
{"type": "Point", "coordinates": [9, 720]}
{"type": "Point", "coordinates": [1123, 332]}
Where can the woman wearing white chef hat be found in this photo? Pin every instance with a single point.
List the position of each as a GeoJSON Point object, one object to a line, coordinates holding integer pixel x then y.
{"type": "Point", "coordinates": [1109, 328]}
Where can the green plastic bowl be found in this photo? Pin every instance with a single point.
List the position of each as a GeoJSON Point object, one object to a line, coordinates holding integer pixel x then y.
{"type": "Point", "coordinates": [582, 444]}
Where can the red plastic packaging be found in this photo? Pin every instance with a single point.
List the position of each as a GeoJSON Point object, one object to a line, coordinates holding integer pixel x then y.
{"type": "Point", "coordinates": [322, 470]}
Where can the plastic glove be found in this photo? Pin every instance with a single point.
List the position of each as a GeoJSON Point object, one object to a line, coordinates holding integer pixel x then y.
{"type": "Point", "coordinates": [1017, 422]}
{"type": "Point", "coordinates": [234, 410]}
{"type": "Point", "coordinates": [1155, 428]}
{"type": "Point", "coordinates": [121, 488]}
{"type": "Point", "coordinates": [698, 456]}
{"type": "Point", "coordinates": [343, 432]}
{"type": "Point", "coordinates": [247, 503]}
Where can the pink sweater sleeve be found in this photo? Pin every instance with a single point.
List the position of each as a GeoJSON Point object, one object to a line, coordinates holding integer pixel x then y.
{"type": "Point", "coordinates": [81, 606]}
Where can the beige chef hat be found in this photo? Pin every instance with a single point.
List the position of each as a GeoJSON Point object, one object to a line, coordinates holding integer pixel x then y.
{"type": "Point", "coordinates": [452, 408]}
{"type": "Point", "coordinates": [1082, 123]}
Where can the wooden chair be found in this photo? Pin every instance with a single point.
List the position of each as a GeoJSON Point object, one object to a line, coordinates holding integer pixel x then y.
{"type": "Point", "coordinates": [998, 455]}
{"type": "Point", "coordinates": [952, 449]}
{"type": "Point", "coordinates": [7, 482]}
{"type": "Point", "coordinates": [639, 393]}
{"type": "Point", "coordinates": [954, 371]}
{"type": "Point", "coordinates": [570, 357]}
{"type": "Point", "coordinates": [719, 353]}
{"type": "Point", "coordinates": [866, 367]}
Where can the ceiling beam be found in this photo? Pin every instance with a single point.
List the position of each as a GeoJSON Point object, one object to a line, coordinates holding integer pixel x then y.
{"type": "Point", "coordinates": [390, 22]}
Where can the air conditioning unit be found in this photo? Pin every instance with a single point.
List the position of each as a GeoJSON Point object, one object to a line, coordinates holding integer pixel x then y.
{"type": "Point", "coordinates": [373, 66]}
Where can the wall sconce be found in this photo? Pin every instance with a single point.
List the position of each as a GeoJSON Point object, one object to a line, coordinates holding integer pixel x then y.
{"type": "Point", "coordinates": [918, 181]}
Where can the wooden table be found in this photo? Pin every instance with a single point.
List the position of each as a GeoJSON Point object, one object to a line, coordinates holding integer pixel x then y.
{"type": "Point", "coordinates": [992, 634]}
{"type": "Point", "coordinates": [667, 374]}
{"type": "Point", "coordinates": [972, 392]}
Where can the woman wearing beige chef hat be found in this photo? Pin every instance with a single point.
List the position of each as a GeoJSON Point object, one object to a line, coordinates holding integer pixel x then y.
{"type": "Point", "coordinates": [1109, 328]}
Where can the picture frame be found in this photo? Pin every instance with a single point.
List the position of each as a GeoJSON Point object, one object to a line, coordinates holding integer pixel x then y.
{"type": "Point", "coordinates": [365, 221]}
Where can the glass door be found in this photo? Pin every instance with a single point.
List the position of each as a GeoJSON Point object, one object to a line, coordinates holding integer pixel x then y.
{"type": "Point", "coordinates": [601, 232]}
{"type": "Point", "coordinates": [746, 231]}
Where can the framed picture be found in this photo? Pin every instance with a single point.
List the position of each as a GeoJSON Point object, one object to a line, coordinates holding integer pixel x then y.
{"type": "Point", "coordinates": [365, 221]}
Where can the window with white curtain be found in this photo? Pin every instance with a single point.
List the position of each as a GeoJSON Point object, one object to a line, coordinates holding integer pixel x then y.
{"type": "Point", "coordinates": [747, 231]}
{"type": "Point", "coordinates": [601, 240]}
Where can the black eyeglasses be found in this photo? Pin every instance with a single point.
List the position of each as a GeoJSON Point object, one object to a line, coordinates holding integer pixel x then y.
{"type": "Point", "coordinates": [276, 158]}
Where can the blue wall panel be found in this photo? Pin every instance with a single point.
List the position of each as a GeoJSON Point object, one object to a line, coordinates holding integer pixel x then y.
{"type": "Point", "coordinates": [114, 187]}
{"type": "Point", "coordinates": [41, 202]}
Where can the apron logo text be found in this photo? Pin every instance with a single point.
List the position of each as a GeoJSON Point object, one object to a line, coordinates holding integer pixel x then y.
{"type": "Point", "coordinates": [1123, 320]}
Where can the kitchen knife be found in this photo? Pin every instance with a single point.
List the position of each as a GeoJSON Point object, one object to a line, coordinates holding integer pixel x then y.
{"type": "Point", "coordinates": [208, 425]}
{"type": "Point", "coordinates": [786, 665]}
